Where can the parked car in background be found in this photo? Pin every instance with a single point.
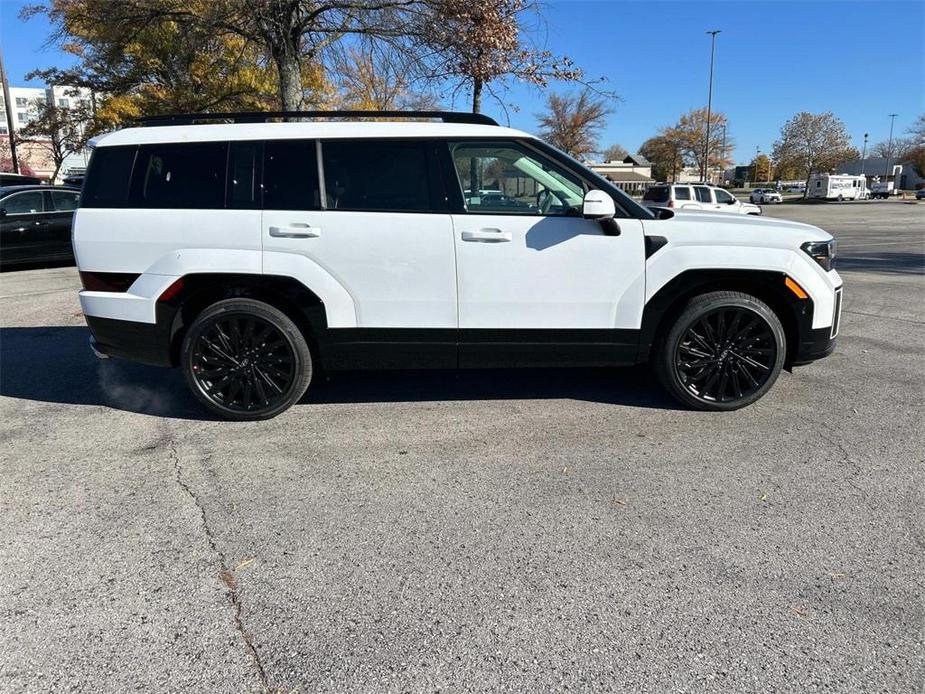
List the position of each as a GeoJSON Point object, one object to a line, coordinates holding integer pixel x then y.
{"type": "Point", "coordinates": [765, 196]}
{"type": "Point", "coordinates": [920, 194]}
{"type": "Point", "coordinates": [13, 179]}
{"type": "Point", "coordinates": [696, 196]}
{"type": "Point", "coordinates": [35, 224]}
{"type": "Point", "coordinates": [75, 180]}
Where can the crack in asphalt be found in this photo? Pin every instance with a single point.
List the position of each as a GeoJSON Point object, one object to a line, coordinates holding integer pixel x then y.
{"type": "Point", "coordinates": [854, 465]}
{"type": "Point", "coordinates": [225, 574]}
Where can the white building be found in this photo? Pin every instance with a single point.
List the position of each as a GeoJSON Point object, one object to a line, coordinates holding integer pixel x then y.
{"type": "Point", "coordinates": [24, 102]}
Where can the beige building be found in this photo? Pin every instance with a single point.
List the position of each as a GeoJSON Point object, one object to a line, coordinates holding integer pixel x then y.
{"type": "Point", "coordinates": [633, 175]}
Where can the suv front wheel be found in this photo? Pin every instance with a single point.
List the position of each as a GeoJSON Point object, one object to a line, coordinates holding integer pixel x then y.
{"type": "Point", "coordinates": [723, 352]}
{"type": "Point", "coordinates": [245, 360]}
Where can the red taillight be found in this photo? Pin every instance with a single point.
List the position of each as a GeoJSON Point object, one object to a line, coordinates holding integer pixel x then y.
{"type": "Point", "coordinates": [107, 281]}
{"type": "Point", "coordinates": [671, 203]}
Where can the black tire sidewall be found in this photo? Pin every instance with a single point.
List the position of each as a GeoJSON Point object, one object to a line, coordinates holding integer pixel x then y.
{"type": "Point", "coordinates": [287, 328]}
{"type": "Point", "coordinates": [696, 308]}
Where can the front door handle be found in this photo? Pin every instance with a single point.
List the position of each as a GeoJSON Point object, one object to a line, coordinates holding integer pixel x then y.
{"type": "Point", "coordinates": [487, 236]}
{"type": "Point", "coordinates": [295, 231]}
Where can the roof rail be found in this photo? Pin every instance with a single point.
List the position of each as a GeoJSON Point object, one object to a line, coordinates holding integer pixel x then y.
{"type": "Point", "coordinates": [264, 116]}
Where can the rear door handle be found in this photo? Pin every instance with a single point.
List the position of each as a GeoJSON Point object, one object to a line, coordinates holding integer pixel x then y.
{"type": "Point", "coordinates": [487, 236]}
{"type": "Point", "coordinates": [295, 231]}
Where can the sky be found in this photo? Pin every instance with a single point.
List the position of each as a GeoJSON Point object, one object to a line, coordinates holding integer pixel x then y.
{"type": "Point", "coordinates": [860, 59]}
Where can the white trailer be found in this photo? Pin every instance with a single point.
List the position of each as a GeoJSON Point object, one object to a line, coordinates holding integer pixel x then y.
{"type": "Point", "coordinates": [838, 187]}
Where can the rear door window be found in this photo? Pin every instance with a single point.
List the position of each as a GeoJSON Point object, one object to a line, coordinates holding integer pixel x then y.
{"type": "Point", "coordinates": [377, 176]}
{"type": "Point", "coordinates": [290, 175]}
{"type": "Point", "coordinates": [682, 193]}
{"type": "Point", "coordinates": [65, 200]}
{"type": "Point", "coordinates": [656, 194]}
{"type": "Point", "coordinates": [703, 194]}
{"type": "Point", "coordinates": [180, 176]}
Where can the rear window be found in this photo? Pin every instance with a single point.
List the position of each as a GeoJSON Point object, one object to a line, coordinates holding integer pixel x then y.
{"type": "Point", "coordinates": [376, 175]}
{"type": "Point", "coordinates": [108, 177]}
{"type": "Point", "coordinates": [180, 176]}
{"type": "Point", "coordinates": [656, 194]}
{"type": "Point", "coordinates": [682, 193]}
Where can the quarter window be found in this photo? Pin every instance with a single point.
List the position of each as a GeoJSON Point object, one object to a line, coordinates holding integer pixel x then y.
{"type": "Point", "coordinates": [376, 175]}
{"type": "Point", "coordinates": [23, 203]}
{"type": "Point", "coordinates": [503, 178]}
{"type": "Point", "coordinates": [180, 176]}
{"type": "Point", "coordinates": [290, 175]}
{"type": "Point", "coordinates": [108, 177]}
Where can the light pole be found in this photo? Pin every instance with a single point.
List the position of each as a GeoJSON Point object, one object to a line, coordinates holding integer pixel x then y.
{"type": "Point", "coordinates": [706, 142]}
{"type": "Point", "coordinates": [864, 154]}
{"type": "Point", "coordinates": [889, 153]}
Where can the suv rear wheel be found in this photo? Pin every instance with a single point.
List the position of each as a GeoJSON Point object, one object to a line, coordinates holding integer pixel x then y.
{"type": "Point", "coordinates": [245, 360]}
{"type": "Point", "coordinates": [723, 352]}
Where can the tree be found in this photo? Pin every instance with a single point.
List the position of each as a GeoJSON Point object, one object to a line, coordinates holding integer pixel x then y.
{"type": "Point", "coordinates": [373, 79]}
{"type": "Point", "coordinates": [292, 36]}
{"type": "Point", "coordinates": [664, 153]}
{"type": "Point", "coordinates": [572, 122]}
{"type": "Point", "coordinates": [690, 132]}
{"type": "Point", "coordinates": [895, 149]}
{"type": "Point", "coordinates": [917, 130]}
{"type": "Point", "coordinates": [58, 131]}
{"type": "Point", "coordinates": [812, 143]}
{"type": "Point", "coordinates": [6, 158]}
{"type": "Point", "coordinates": [615, 153]}
{"type": "Point", "coordinates": [480, 45]}
{"type": "Point", "coordinates": [761, 168]}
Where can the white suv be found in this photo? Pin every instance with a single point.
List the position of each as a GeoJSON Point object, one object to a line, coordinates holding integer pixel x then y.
{"type": "Point", "coordinates": [253, 254]}
{"type": "Point", "coordinates": [696, 196]}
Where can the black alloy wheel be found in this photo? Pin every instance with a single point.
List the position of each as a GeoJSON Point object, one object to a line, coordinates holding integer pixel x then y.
{"type": "Point", "coordinates": [724, 352]}
{"type": "Point", "coordinates": [246, 360]}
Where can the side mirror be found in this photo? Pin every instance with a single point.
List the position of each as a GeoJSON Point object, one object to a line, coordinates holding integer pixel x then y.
{"type": "Point", "coordinates": [598, 205]}
{"type": "Point", "coordinates": [731, 202]}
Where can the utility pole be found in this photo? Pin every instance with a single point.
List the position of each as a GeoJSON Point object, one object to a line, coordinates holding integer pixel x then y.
{"type": "Point", "coordinates": [706, 143]}
{"type": "Point", "coordinates": [889, 153]}
{"type": "Point", "coordinates": [8, 107]}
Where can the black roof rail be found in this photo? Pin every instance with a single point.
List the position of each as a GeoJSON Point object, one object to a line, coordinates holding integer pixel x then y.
{"type": "Point", "coordinates": [263, 116]}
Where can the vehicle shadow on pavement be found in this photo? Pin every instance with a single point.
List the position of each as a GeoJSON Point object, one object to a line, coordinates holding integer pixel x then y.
{"type": "Point", "coordinates": [893, 263]}
{"type": "Point", "coordinates": [54, 364]}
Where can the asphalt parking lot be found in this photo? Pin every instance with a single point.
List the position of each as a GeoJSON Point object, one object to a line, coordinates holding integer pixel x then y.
{"type": "Point", "coordinates": [499, 531]}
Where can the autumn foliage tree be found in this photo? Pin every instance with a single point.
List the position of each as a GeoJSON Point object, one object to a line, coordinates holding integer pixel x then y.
{"type": "Point", "coordinates": [478, 46]}
{"type": "Point", "coordinates": [664, 153]}
{"type": "Point", "coordinates": [689, 134]}
{"type": "Point", "coordinates": [813, 142]}
{"type": "Point", "coordinates": [572, 122]}
{"type": "Point", "coordinates": [60, 132]}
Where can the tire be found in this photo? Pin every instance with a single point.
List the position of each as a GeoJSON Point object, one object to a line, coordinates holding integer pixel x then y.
{"type": "Point", "coordinates": [709, 361]}
{"type": "Point", "coordinates": [245, 360]}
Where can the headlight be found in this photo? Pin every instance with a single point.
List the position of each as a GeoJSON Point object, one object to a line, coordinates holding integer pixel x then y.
{"type": "Point", "coordinates": [823, 252]}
